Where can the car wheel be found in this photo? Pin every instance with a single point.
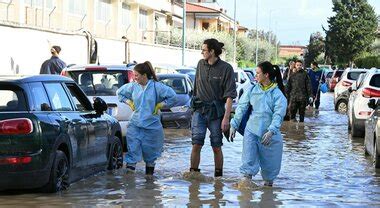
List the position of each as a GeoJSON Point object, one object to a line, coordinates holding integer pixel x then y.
{"type": "Point", "coordinates": [115, 160]}
{"type": "Point", "coordinates": [355, 131]}
{"type": "Point", "coordinates": [341, 106]}
{"type": "Point", "coordinates": [376, 156]}
{"type": "Point", "coordinates": [59, 176]}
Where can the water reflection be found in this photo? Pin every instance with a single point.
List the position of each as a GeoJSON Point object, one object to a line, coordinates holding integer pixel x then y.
{"type": "Point", "coordinates": [200, 195]}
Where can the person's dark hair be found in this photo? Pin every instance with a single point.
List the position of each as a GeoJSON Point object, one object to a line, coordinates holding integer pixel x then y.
{"type": "Point", "coordinates": [146, 68]}
{"type": "Point", "coordinates": [315, 63]}
{"type": "Point", "coordinates": [274, 73]}
{"type": "Point", "coordinates": [299, 61]}
{"type": "Point", "coordinates": [214, 44]}
{"type": "Point", "coordinates": [56, 48]}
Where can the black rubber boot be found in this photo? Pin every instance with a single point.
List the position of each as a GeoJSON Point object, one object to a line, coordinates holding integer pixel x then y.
{"type": "Point", "coordinates": [218, 173]}
{"type": "Point", "coordinates": [195, 170]}
{"type": "Point", "coordinates": [149, 170]}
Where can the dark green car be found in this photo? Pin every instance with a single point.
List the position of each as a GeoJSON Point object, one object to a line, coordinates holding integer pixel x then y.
{"type": "Point", "coordinates": [51, 135]}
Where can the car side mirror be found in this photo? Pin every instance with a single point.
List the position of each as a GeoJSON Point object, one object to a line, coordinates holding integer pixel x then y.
{"type": "Point", "coordinates": [100, 105]}
{"type": "Point", "coordinates": [372, 104]}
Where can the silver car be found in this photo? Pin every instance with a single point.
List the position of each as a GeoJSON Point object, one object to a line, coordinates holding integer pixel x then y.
{"type": "Point", "coordinates": [372, 133]}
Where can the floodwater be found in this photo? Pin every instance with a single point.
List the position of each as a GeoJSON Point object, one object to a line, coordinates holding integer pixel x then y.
{"type": "Point", "coordinates": [322, 166]}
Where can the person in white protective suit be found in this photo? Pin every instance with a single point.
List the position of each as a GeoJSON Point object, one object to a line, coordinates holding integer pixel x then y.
{"type": "Point", "coordinates": [145, 135]}
{"type": "Point", "coordinates": [262, 143]}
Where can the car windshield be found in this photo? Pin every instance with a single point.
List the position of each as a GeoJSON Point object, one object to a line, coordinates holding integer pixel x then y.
{"type": "Point", "coordinates": [329, 75]}
{"type": "Point", "coordinates": [177, 84]}
{"type": "Point", "coordinates": [99, 83]}
{"type": "Point", "coordinates": [354, 75]}
{"type": "Point", "coordinates": [11, 99]}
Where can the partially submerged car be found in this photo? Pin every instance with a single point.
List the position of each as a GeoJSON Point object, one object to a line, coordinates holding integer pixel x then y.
{"type": "Point", "coordinates": [51, 135]}
{"type": "Point", "coordinates": [178, 116]}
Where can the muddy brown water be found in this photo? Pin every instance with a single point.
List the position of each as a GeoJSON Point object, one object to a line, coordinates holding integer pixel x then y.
{"type": "Point", "coordinates": [322, 166]}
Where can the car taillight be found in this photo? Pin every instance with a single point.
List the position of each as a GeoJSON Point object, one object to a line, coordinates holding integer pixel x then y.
{"type": "Point", "coordinates": [130, 76]}
{"type": "Point", "coordinates": [15, 160]}
{"type": "Point", "coordinates": [16, 126]}
{"type": "Point", "coordinates": [369, 93]}
{"type": "Point", "coordinates": [346, 84]}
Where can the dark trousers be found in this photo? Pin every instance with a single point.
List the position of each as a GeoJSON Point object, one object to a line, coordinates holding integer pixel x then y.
{"type": "Point", "coordinates": [317, 101]}
{"type": "Point", "coordinates": [300, 106]}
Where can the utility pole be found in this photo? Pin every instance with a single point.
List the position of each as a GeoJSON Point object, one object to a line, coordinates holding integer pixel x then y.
{"type": "Point", "coordinates": [257, 31]}
{"type": "Point", "coordinates": [234, 50]}
{"type": "Point", "coordinates": [183, 32]}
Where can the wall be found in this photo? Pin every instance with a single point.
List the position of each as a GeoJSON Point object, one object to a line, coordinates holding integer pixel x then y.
{"type": "Point", "coordinates": [24, 50]}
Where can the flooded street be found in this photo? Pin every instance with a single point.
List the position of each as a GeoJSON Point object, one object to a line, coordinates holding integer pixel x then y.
{"type": "Point", "coordinates": [322, 166]}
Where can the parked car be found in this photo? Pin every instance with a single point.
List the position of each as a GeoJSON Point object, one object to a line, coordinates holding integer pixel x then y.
{"type": "Point", "coordinates": [348, 77]}
{"type": "Point", "coordinates": [328, 74]}
{"type": "Point", "coordinates": [51, 135]}
{"type": "Point", "coordinates": [358, 110]}
{"type": "Point", "coordinates": [251, 75]}
{"type": "Point", "coordinates": [178, 116]}
{"type": "Point", "coordinates": [335, 79]}
{"type": "Point", "coordinates": [187, 70]}
{"type": "Point", "coordinates": [372, 132]}
{"type": "Point", "coordinates": [103, 81]}
{"type": "Point", "coordinates": [242, 84]}
{"type": "Point", "coordinates": [165, 68]}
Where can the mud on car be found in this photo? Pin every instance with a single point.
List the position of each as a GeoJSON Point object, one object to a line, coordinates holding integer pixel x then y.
{"type": "Point", "coordinates": [51, 135]}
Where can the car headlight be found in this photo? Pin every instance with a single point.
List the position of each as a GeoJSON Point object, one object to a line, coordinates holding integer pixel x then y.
{"type": "Point", "coordinates": [179, 109]}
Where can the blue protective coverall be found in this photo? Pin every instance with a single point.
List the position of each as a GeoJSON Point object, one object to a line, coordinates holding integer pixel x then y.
{"type": "Point", "coordinates": [268, 111]}
{"type": "Point", "coordinates": [145, 134]}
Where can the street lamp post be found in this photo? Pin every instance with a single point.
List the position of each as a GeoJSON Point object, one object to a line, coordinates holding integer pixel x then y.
{"type": "Point", "coordinates": [234, 48]}
{"type": "Point", "coordinates": [257, 31]}
{"type": "Point", "coordinates": [183, 32]}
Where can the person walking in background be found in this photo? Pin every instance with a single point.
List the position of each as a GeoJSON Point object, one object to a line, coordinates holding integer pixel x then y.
{"type": "Point", "coordinates": [299, 92]}
{"type": "Point", "coordinates": [262, 142]}
{"type": "Point", "coordinates": [317, 78]}
{"type": "Point", "coordinates": [289, 71]}
{"type": "Point", "coordinates": [54, 65]}
{"type": "Point", "coordinates": [214, 90]}
{"type": "Point", "coordinates": [145, 134]}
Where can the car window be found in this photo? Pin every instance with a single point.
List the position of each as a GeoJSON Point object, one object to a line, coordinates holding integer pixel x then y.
{"type": "Point", "coordinates": [99, 83]}
{"type": "Point", "coordinates": [354, 75]}
{"type": "Point", "coordinates": [40, 99]}
{"type": "Point", "coordinates": [58, 97]}
{"type": "Point", "coordinates": [338, 73]}
{"type": "Point", "coordinates": [177, 84]}
{"type": "Point", "coordinates": [329, 75]}
{"type": "Point", "coordinates": [375, 80]}
{"type": "Point", "coordinates": [80, 100]}
{"type": "Point", "coordinates": [12, 99]}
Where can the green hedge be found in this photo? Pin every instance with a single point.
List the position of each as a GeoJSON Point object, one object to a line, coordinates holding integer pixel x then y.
{"type": "Point", "coordinates": [368, 61]}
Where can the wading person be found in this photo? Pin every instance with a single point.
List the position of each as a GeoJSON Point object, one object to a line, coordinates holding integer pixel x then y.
{"type": "Point", "coordinates": [262, 142]}
{"type": "Point", "coordinates": [54, 65]}
{"type": "Point", "coordinates": [145, 135]}
{"type": "Point", "coordinates": [316, 78]}
{"type": "Point", "coordinates": [298, 90]}
{"type": "Point", "coordinates": [215, 89]}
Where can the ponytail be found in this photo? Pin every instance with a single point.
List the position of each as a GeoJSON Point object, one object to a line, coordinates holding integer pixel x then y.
{"type": "Point", "coordinates": [146, 68]}
{"type": "Point", "coordinates": [278, 77]}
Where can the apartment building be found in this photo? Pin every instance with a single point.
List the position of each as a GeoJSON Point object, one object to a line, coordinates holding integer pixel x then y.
{"type": "Point", "coordinates": [137, 20]}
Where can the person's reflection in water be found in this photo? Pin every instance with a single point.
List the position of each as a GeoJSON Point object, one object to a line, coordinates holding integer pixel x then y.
{"type": "Point", "coordinates": [267, 199]}
{"type": "Point", "coordinates": [194, 192]}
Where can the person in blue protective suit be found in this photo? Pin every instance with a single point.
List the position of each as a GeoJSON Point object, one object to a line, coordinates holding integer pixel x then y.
{"type": "Point", "coordinates": [262, 143]}
{"type": "Point", "coordinates": [316, 78]}
{"type": "Point", "coordinates": [145, 135]}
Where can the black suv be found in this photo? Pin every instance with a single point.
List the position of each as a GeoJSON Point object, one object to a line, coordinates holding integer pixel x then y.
{"type": "Point", "coordinates": [51, 135]}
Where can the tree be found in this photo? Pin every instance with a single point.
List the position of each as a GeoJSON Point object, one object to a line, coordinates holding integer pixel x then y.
{"type": "Point", "coordinates": [351, 31]}
{"type": "Point", "coordinates": [315, 48]}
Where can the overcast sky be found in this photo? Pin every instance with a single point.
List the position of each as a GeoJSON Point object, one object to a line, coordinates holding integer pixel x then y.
{"type": "Point", "coordinates": [293, 20]}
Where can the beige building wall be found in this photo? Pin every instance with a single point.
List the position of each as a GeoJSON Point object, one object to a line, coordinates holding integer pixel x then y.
{"type": "Point", "coordinates": [60, 18]}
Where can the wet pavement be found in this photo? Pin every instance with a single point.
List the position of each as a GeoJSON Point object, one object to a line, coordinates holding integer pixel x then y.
{"type": "Point", "coordinates": [322, 166]}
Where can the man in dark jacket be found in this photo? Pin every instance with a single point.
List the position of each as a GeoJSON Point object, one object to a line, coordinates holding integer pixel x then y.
{"type": "Point", "coordinates": [316, 78]}
{"type": "Point", "coordinates": [299, 92]}
{"type": "Point", "coordinates": [54, 65]}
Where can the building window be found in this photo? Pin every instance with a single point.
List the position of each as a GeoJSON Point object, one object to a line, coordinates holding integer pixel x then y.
{"type": "Point", "coordinates": [77, 7]}
{"type": "Point", "coordinates": [205, 25]}
{"type": "Point", "coordinates": [143, 19]}
{"type": "Point", "coordinates": [126, 15]}
{"type": "Point", "coordinates": [103, 10]}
